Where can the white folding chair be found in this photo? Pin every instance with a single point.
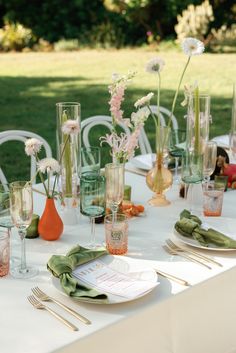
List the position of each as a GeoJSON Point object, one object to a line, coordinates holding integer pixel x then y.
{"type": "Point", "coordinates": [21, 135]}
{"type": "Point", "coordinates": [93, 121]}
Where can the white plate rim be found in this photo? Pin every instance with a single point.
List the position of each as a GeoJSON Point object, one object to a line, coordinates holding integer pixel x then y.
{"type": "Point", "coordinates": [111, 297]}
{"type": "Point", "coordinates": [194, 243]}
{"type": "Point", "coordinates": [141, 165]}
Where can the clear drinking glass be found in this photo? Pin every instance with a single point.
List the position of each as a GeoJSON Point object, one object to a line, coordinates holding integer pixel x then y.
{"type": "Point", "coordinates": [92, 200]}
{"type": "Point", "coordinates": [90, 159]}
{"type": "Point", "coordinates": [21, 207]}
{"type": "Point", "coordinates": [4, 251]}
{"type": "Point", "coordinates": [177, 148]}
{"type": "Point", "coordinates": [114, 174]}
{"type": "Point", "coordinates": [5, 215]}
{"type": "Point", "coordinates": [116, 234]}
{"type": "Point", "coordinates": [209, 159]}
{"type": "Point", "coordinates": [212, 199]}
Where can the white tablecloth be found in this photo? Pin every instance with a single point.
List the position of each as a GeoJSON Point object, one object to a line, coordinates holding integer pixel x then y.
{"type": "Point", "coordinates": [172, 318]}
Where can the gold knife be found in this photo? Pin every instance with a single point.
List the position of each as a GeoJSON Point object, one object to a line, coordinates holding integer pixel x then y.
{"type": "Point", "coordinates": [173, 278]}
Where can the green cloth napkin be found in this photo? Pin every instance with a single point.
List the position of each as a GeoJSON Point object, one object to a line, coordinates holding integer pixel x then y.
{"type": "Point", "coordinates": [191, 226]}
{"type": "Point", "coordinates": [62, 266]}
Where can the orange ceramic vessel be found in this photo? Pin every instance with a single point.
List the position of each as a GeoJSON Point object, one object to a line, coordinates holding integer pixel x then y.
{"type": "Point", "coordinates": [50, 224]}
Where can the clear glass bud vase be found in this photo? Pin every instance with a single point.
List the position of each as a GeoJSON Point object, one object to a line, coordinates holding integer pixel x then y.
{"type": "Point", "coordinates": [68, 146]}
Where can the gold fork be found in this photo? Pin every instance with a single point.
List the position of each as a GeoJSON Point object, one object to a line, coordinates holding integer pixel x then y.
{"type": "Point", "coordinates": [203, 257]}
{"type": "Point", "coordinates": [188, 257]}
{"type": "Point", "coordinates": [44, 297]}
{"type": "Point", "coordinates": [38, 305]}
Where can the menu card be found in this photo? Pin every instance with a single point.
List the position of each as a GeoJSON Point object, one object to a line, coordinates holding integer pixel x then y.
{"type": "Point", "coordinates": [102, 277]}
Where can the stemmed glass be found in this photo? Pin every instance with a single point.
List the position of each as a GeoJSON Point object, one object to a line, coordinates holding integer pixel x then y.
{"type": "Point", "coordinates": [92, 200]}
{"type": "Point", "coordinates": [177, 147]}
{"type": "Point", "coordinates": [21, 208]}
{"type": "Point", "coordinates": [209, 160]}
{"type": "Point", "coordinates": [114, 186]}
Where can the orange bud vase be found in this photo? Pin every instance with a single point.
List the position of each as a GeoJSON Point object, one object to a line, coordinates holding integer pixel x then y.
{"type": "Point", "coordinates": [50, 224]}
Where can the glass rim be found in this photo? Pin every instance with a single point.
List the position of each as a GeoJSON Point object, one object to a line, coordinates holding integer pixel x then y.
{"type": "Point", "coordinates": [20, 183]}
{"type": "Point", "coordinates": [201, 95]}
{"type": "Point", "coordinates": [109, 217]}
{"type": "Point", "coordinates": [69, 104]}
{"type": "Point", "coordinates": [97, 176]}
{"type": "Point", "coordinates": [113, 165]}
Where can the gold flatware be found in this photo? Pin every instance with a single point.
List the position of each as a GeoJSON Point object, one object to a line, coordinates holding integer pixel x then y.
{"type": "Point", "coordinates": [38, 305]}
{"type": "Point", "coordinates": [172, 277]}
{"type": "Point", "coordinates": [44, 297]}
{"type": "Point", "coordinates": [138, 172]}
{"type": "Point", "coordinates": [203, 257]}
{"type": "Point", "coordinates": [188, 257]}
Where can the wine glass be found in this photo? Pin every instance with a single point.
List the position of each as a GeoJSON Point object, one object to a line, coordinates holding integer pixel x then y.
{"type": "Point", "coordinates": [90, 159]}
{"type": "Point", "coordinates": [177, 147]}
{"type": "Point", "coordinates": [21, 208]}
{"type": "Point", "coordinates": [114, 174]}
{"type": "Point", "coordinates": [92, 200]}
{"type": "Point", "coordinates": [5, 215]}
{"type": "Point", "coordinates": [209, 159]}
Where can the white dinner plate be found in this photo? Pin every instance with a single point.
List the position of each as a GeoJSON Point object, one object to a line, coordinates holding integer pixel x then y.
{"type": "Point", "coordinates": [133, 268]}
{"type": "Point", "coordinates": [143, 161]}
{"type": "Point", "coordinates": [227, 226]}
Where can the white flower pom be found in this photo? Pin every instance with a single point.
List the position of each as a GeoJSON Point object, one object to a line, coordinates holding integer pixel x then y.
{"type": "Point", "coordinates": [144, 100]}
{"type": "Point", "coordinates": [32, 146]}
{"type": "Point", "coordinates": [192, 46]}
{"type": "Point", "coordinates": [70, 127]}
{"type": "Point", "coordinates": [155, 65]}
{"type": "Point", "coordinates": [49, 165]}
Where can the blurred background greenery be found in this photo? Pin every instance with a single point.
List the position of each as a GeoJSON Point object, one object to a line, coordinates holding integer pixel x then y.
{"type": "Point", "coordinates": [67, 50]}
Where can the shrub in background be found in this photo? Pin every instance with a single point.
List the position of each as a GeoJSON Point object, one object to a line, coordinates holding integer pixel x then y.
{"type": "Point", "coordinates": [14, 36]}
{"type": "Point", "coordinates": [223, 39]}
{"type": "Point", "coordinates": [195, 22]}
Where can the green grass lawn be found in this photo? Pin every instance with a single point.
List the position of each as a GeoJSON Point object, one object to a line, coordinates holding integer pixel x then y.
{"type": "Point", "coordinates": [32, 83]}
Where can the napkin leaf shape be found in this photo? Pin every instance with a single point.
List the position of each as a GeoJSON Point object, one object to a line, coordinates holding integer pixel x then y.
{"type": "Point", "coordinates": [191, 226]}
{"type": "Point", "coordinates": [62, 266]}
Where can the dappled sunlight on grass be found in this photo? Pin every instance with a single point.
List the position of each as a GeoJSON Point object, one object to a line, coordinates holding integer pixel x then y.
{"type": "Point", "coordinates": [32, 83]}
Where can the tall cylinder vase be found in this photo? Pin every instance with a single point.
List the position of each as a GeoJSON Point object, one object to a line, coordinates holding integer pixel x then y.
{"type": "Point", "coordinates": [197, 134]}
{"type": "Point", "coordinates": [70, 162]}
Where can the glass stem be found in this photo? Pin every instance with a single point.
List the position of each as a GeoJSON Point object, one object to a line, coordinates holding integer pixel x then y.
{"type": "Point", "coordinates": [92, 240]}
{"type": "Point", "coordinates": [176, 167]}
{"type": "Point", "coordinates": [22, 234]}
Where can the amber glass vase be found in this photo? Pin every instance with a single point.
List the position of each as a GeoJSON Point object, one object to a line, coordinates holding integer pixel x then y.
{"type": "Point", "coordinates": [159, 179]}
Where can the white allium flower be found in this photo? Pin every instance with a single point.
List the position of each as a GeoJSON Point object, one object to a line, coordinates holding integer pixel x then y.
{"type": "Point", "coordinates": [155, 65]}
{"type": "Point", "coordinates": [49, 165]}
{"type": "Point", "coordinates": [32, 146]}
{"type": "Point", "coordinates": [192, 46]}
{"type": "Point", "coordinates": [140, 116]}
{"type": "Point", "coordinates": [144, 100]}
{"type": "Point", "coordinates": [70, 127]}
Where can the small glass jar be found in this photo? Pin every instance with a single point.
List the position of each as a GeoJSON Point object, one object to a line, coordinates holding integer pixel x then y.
{"type": "Point", "coordinates": [116, 229]}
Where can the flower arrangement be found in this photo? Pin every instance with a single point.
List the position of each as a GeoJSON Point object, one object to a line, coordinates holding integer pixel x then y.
{"type": "Point", "coordinates": [123, 145]}
{"type": "Point", "coordinates": [51, 166]}
{"type": "Point", "coordinates": [190, 47]}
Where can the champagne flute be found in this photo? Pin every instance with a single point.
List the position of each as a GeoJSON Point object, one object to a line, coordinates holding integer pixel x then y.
{"type": "Point", "coordinates": [92, 200]}
{"type": "Point", "coordinates": [209, 160]}
{"type": "Point", "coordinates": [21, 208]}
{"type": "Point", "coordinates": [232, 144]}
{"type": "Point", "coordinates": [114, 186]}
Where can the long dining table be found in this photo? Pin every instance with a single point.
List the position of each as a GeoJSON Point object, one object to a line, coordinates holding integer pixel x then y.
{"type": "Point", "coordinates": [171, 318]}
